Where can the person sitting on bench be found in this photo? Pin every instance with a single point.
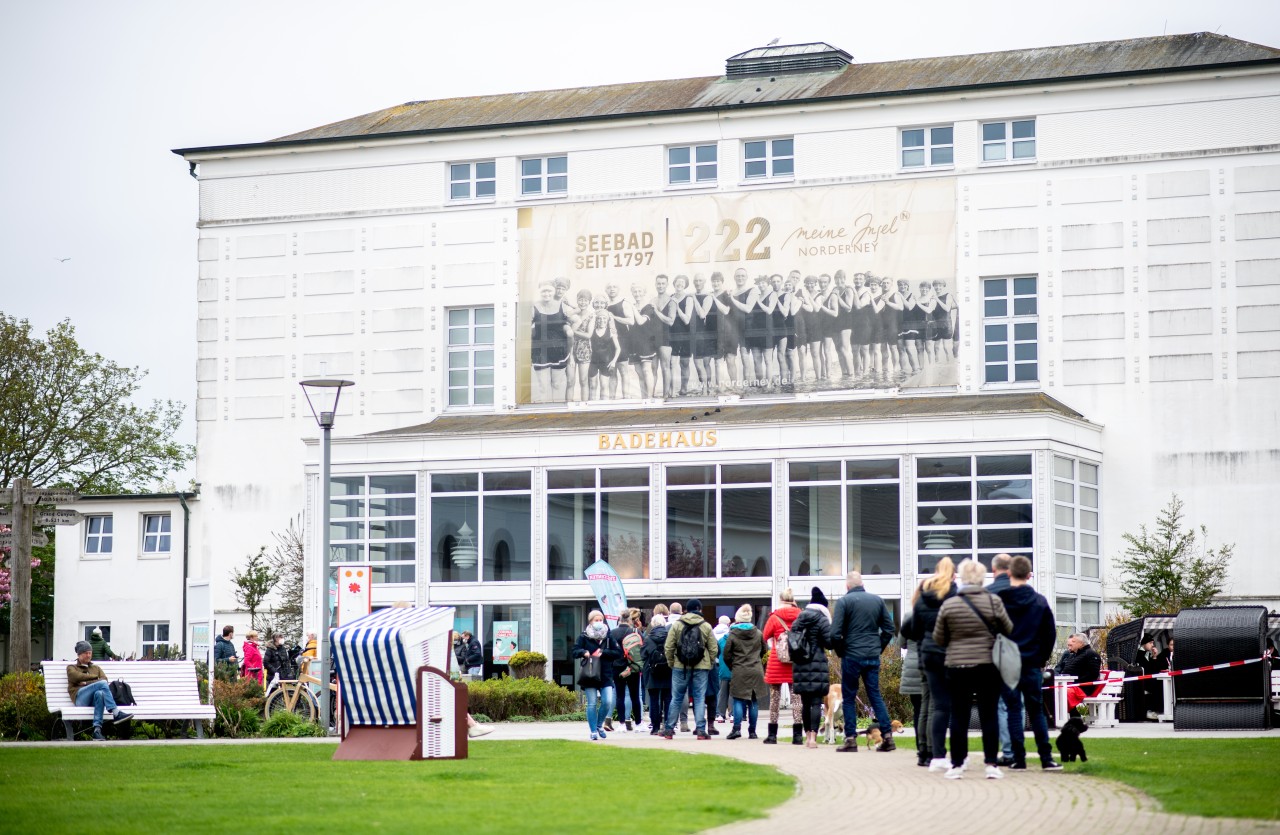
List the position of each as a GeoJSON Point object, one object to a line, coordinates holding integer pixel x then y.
{"type": "Point", "coordinates": [1083, 662]}
{"type": "Point", "coordinates": [87, 685]}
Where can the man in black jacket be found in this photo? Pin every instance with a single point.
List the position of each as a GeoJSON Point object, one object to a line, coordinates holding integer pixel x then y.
{"type": "Point", "coordinates": [224, 651]}
{"type": "Point", "coordinates": [1034, 632]}
{"type": "Point", "coordinates": [861, 627]}
{"type": "Point", "coordinates": [1083, 662]}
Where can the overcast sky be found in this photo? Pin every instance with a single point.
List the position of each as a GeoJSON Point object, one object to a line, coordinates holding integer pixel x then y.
{"type": "Point", "coordinates": [94, 95]}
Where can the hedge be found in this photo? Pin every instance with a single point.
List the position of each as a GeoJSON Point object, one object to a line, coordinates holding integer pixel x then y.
{"type": "Point", "coordinates": [502, 698]}
{"type": "Point", "coordinates": [23, 713]}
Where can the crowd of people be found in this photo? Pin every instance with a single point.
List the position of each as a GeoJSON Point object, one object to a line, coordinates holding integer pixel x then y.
{"type": "Point", "coordinates": [259, 662]}
{"type": "Point", "coordinates": [704, 336]}
{"type": "Point", "coordinates": [685, 666]}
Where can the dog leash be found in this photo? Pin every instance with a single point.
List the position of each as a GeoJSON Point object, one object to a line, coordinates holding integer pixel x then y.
{"type": "Point", "coordinates": [1188, 671]}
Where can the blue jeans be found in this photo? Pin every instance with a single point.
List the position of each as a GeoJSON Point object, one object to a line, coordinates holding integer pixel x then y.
{"type": "Point", "coordinates": [99, 694]}
{"type": "Point", "coordinates": [867, 669]}
{"type": "Point", "coordinates": [599, 705]}
{"type": "Point", "coordinates": [688, 684]}
{"type": "Point", "coordinates": [750, 708]}
{"type": "Point", "coordinates": [1028, 693]}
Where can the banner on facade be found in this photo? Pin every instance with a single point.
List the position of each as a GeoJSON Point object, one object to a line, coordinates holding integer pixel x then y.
{"type": "Point", "coordinates": [764, 292]}
{"type": "Point", "coordinates": [506, 639]}
{"type": "Point", "coordinates": [607, 587]}
{"type": "Point", "coordinates": [354, 596]}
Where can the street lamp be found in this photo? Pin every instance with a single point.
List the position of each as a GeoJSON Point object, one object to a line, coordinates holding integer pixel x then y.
{"type": "Point", "coordinates": [322, 397]}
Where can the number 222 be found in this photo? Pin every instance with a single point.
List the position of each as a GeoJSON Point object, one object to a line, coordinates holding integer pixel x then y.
{"type": "Point", "coordinates": [696, 251]}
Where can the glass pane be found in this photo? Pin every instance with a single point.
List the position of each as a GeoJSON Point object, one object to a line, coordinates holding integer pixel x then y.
{"type": "Point", "coordinates": [755, 169]}
{"type": "Point", "coordinates": [391, 551]}
{"type": "Point", "coordinates": [1024, 331]}
{"type": "Point", "coordinates": [507, 481]}
{"type": "Point", "coordinates": [484, 397]}
{"type": "Point", "coordinates": [346, 530]}
{"type": "Point", "coordinates": [945, 539]}
{"type": "Point", "coordinates": [558, 165]}
{"type": "Point", "coordinates": [1024, 286]}
{"type": "Point", "coordinates": [400, 574]}
{"type": "Point", "coordinates": [459, 336]}
{"type": "Point", "coordinates": [995, 287]}
{"type": "Point", "coordinates": [995, 307]}
{"type": "Point", "coordinates": [1065, 563]}
{"type": "Point", "coordinates": [1024, 306]}
{"type": "Point", "coordinates": [1025, 129]}
{"type": "Point", "coordinates": [458, 379]}
{"type": "Point", "coordinates": [1064, 540]}
{"type": "Point", "coordinates": [531, 186]}
{"type": "Point", "coordinates": [942, 467]}
{"type": "Point", "coordinates": [691, 475]}
{"type": "Point", "coordinates": [815, 531]}
{"type": "Point", "coordinates": [997, 374]}
{"type": "Point", "coordinates": [678, 156]}
{"type": "Point", "coordinates": [454, 482]}
{"type": "Point", "coordinates": [1024, 351]}
{"type": "Point", "coordinates": [1062, 467]}
{"type": "Point", "coordinates": [1025, 372]}
{"type": "Point", "coordinates": [1004, 465]}
{"type": "Point", "coordinates": [754, 150]}
{"type": "Point", "coordinates": [484, 170]}
{"type": "Point", "coordinates": [912, 158]}
{"type": "Point", "coordinates": [484, 315]}
{"type": "Point", "coordinates": [1088, 543]}
{"type": "Point", "coordinates": [458, 359]}
{"type": "Point", "coordinates": [460, 171]}
{"type": "Point", "coordinates": [942, 156]}
{"type": "Point", "coordinates": [164, 543]}
{"type": "Point", "coordinates": [691, 533]}
{"type": "Point", "coordinates": [556, 184]}
{"type": "Point", "coordinates": [1065, 609]}
{"type": "Point", "coordinates": [1004, 514]}
{"type": "Point", "coordinates": [484, 377]}
{"type": "Point", "coordinates": [706, 173]}
{"type": "Point", "coordinates": [346, 553]}
{"type": "Point", "coordinates": [746, 520]}
{"type": "Point", "coordinates": [746, 474]}
{"type": "Point", "coordinates": [997, 353]}
{"type": "Point", "coordinates": [783, 167]}
{"type": "Point", "coordinates": [995, 333]}
{"type": "Point", "coordinates": [458, 397]}
{"type": "Point", "coordinates": [624, 533]}
{"type": "Point", "coordinates": [932, 515]}
{"type": "Point", "coordinates": [992, 131]}
{"type": "Point", "coordinates": [1005, 538]}
{"type": "Point", "coordinates": [865, 470]}
{"type": "Point", "coordinates": [1088, 473]}
{"type": "Point", "coordinates": [459, 316]}
{"type": "Point", "coordinates": [944, 491]}
{"type": "Point", "coordinates": [1089, 612]}
{"type": "Point", "coordinates": [630, 477]}
{"type": "Point", "coordinates": [485, 188]}
{"type": "Point", "coordinates": [1063, 491]}
{"type": "Point", "coordinates": [873, 524]}
{"type": "Point", "coordinates": [507, 537]}
{"type": "Point", "coordinates": [391, 529]}
{"type": "Point", "coordinates": [380, 484]}
{"type": "Point", "coordinates": [705, 153]}
{"type": "Point", "coordinates": [455, 531]}
{"type": "Point", "coordinates": [459, 191]}
{"type": "Point", "coordinates": [992, 153]}
{"type": "Point", "coordinates": [1024, 150]}
{"type": "Point", "coordinates": [814, 471]}
{"type": "Point", "coordinates": [391, 507]}
{"type": "Point", "coordinates": [783, 147]}
{"type": "Point", "coordinates": [941, 136]}
{"type": "Point", "coordinates": [346, 486]}
{"type": "Point", "coordinates": [530, 167]}
{"type": "Point", "coordinates": [571, 479]}
{"type": "Point", "coordinates": [1064, 515]}
{"type": "Point", "coordinates": [679, 174]}
{"type": "Point", "coordinates": [1012, 489]}
{"type": "Point", "coordinates": [913, 138]}
{"type": "Point", "coordinates": [571, 534]}
{"type": "Point", "coordinates": [1090, 567]}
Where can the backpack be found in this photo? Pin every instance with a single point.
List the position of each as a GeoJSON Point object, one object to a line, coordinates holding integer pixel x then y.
{"type": "Point", "coordinates": [121, 693]}
{"type": "Point", "coordinates": [781, 648]}
{"type": "Point", "coordinates": [797, 646]}
{"type": "Point", "coordinates": [657, 657]}
{"type": "Point", "coordinates": [690, 648]}
{"type": "Point", "coordinates": [632, 651]}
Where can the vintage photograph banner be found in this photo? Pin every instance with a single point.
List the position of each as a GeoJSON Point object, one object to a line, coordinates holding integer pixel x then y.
{"type": "Point", "coordinates": [806, 289]}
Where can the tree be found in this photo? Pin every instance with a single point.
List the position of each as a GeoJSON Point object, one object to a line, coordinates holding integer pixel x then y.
{"type": "Point", "coordinates": [1170, 569]}
{"type": "Point", "coordinates": [288, 564]}
{"type": "Point", "coordinates": [254, 583]}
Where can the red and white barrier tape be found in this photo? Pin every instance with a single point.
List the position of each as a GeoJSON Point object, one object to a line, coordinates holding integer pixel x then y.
{"type": "Point", "coordinates": [1170, 673]}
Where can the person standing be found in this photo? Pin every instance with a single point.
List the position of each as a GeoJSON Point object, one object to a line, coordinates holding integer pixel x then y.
{"type": "Point", "coordinates": [87, 685]}
{"type": "Point", "coordinates": [101, 649]}
{"type": "Point", "coordinates": [861, 627]}
{"type": "Point", "coordinates": [924, 616]}
{"type": "Point", "coordinates": [1035, 632]}
{"type": "Point", "coordinates": [252, 666]}
{"type": "Point", "coordinates": [276, 660]}
{"type": "Point", "coordinates": [626, 682]}
{"type": "Point", "coordinates": [1148, 659]}
{"type": "Point", "coordinates": [966, 628]}
{"type": "Point", "coordinates": [594, 642]}
{"type": "Point", "coordinates": [1000, 570]}
{"type": "Point", "coordinates": [812, 674]}
{"type": "Point", "coordinates": [723, 673]}
{"type": "Point", "coordinates": [690, 662]}
{"type": "Point", "coordinates": [778, 673]}
{"type": "Point", "coordinates": [224, 651]}
{"type": "Point", "coordinates": [657, 670]}
{"type": "Point", "coordinates": [743, 650]}
{"type": "Point", "coordinates": [913, 687]}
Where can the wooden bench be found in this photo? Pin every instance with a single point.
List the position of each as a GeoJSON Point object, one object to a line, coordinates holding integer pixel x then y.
{"type": "Point", "coordinates": [163, 690]}
{"type": "Point", "coordinates": [1102, 707]}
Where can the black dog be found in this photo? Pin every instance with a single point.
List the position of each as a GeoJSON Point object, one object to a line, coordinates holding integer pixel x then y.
{"type": "Point", "coordinates": [1069, 744]}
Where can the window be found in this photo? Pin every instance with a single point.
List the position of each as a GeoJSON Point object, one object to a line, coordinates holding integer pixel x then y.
{"type": "Point", "coordinates": [1075, 518]}
{"type": "Point", "coordinates": [598, 514]}
{"type": "Point", "coordinates": [1003, 141]}
{"type": "Point", "coordinates": [481, 527]}
{"type": "Point", "coordinates": [471, 180]}
{"type": "Point", "coordinates": [471, 356]}
{"type": "Point", "coordinates": [928, 147]}
{"type": "Point", "coordinates": [1064, 612]}
{"type": "Point", "coordinates": [155, 639]}
{"type": "Point", "coordinates": [860, 498]}
{"type": "Point", "coordinates": [720, 520]}
{"type": "Point", "coordinates": [97, 534]}
{"type": "Point", "coordinates": [973, 506]}
{"type": "Point", "coordinates": [765, 159]}
{"type": "Point", "coordinates": [86, 629]}
{"type": "Point", "coordinates": [374, 519]}
{"type": "Point", "coordinates": [1010, 330]}
{"type": "Point", "coordinates": [155, 533]}
{"type": "Point", "coordinates": [544, 175]}
{"type": "Point", "coordinates": [691, 164]}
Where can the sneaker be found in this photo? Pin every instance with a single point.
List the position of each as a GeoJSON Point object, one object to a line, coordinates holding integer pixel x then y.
{"type": "Point", "coordinates": [629, 727]}
{"type": "Point", "coordinates": [752, 735]}
{"type": "Point", "coordinates": [667, 735]}
{"type": "Point", "coordinates": [120, 716]}
{"type": "Point", "coordinates": [1051, 766]}
{"type": "Point", "coordinates": [711, 730]}
{"type": "Point", "coordinates": [939, 764]}
{"type": "Point", "coordinates": [1153, 716]}
{"type": "Point", "coordinates": [1022, 766]}
{"type": "Point", "coordinates": [595, 738]}
{"type": "Point", "coordinates": [603, 735]}
{"type": "Point", "coordinates": [608, 724]}
{"type": "Point", "coordinates": [994, 773]}
{"type": "Point", "coordinates": [1003, 761]}
{"type": "Point", "coordinates": [953, 773]}
{"type": "Point", "coordinates": [734, 734]}
{"type": "Point", "coordinates": [97, 734]}
{"type": "Point", "coordinates": [478, 730]}
{"type": "Point", "coordinates": [704, 736]}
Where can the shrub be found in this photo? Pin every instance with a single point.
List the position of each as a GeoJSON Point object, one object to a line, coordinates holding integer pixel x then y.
{"type": "Point", "coordinates": [285, 724]}
{"type": "Point", "coordinates": [504, 697]}
{"type": "Point", "coordinates": [898, 704]}
{"type": "Point", "coordinates": [521, 719]}
{"type": "Point", "coordinates": [579, 716]}
{"type": "Point", "coordinates": [237, 708]}
{"type": "Point", "coordinates": [527, 664]}
{"type": "Point", "coordinates": [23, 714]}
{"type": "Point", "coordinates": [481, 718]}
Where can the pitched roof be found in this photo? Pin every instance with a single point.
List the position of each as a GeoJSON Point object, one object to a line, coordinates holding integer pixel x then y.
{"type": "Point", "coordinates": [1167, 53]}
{"type": "Point", "coordinates": [712, 416]}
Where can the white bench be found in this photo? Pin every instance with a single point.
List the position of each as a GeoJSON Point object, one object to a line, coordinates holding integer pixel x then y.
{"type": "Point", "coordinates": [163, 690]}
{"type": "Point", "coordinates": [1275, 689]}
{"type": "Point", "coordinates": [1102, 707]}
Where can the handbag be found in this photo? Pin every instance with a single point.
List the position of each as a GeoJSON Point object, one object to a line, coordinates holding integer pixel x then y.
{"type": "Point", "coordinates": [781, 649]}
{"type": "Point", "coordinates": [1005, 654]}
{"type": "Point", "coordinates": [590, 671]}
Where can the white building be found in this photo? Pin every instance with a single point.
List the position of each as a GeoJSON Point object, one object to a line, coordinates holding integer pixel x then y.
{"type": "Point", "coordinates": [1105, 217]}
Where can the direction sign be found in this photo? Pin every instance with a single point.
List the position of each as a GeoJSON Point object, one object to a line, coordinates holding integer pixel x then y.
{"type": "Point", "coordinates": [37, 539]}
{"type": "Point", "coordinates": [6, 495]}
{"type": "Point", "coordinates": [49, 496]}
{"type": "Point", "coordinates": [6, 517]}
{"type": "Point", "coordinates": [61, 516]}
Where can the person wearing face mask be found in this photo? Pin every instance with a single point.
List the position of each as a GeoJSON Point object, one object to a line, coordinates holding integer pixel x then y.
{"type": "Point", "coordinates": [252, 666]}
{"type": "Point", "coordinates": [276, 660]}
{"type": "Point", "coordinates": [595, 642]}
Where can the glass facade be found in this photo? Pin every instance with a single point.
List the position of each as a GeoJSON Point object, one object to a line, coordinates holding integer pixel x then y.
{"type": "Point", "coordinates": [719, 520]}
{"type": "Point", "coordinates": [844, 516]}
{"type": "Point", "coordinates": [598, 514]}
{"type": "Point", "coordinates": [481, 526]}
{"type": "Point", "coordinates": [374, 519]}
{"type": "Point", "coordinates": [973, 506]}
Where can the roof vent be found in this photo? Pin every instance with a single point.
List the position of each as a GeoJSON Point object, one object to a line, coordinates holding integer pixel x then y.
{"type": "Point", "coordinates": [792, 58]}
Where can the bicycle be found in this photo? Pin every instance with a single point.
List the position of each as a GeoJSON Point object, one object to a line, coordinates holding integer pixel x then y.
{"type": "Point", "coordinates": [298, 696]}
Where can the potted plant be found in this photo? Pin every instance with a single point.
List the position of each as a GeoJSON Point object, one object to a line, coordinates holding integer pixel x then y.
{"type": "Point", "coordinates": [528, 665]}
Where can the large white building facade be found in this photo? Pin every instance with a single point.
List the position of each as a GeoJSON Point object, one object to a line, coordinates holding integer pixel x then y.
{"type": "Point", "coordinates": [750, 331]}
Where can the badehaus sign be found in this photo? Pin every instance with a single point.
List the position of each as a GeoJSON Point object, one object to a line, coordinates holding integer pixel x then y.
{"type": "Point", "coordinates": [796, 290]}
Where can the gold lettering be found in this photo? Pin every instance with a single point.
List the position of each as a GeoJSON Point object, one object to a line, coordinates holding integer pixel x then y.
{"type": "Point", "coordinates": [650, 438]}
{"type": "Point", "coordinates": [696, 438]}
{"type": "Point", "coordinates": [682, 439]}
{"type": "Point", "coordinates": [636, 438]}
{"type": "Point", "coordinates": [664, 440]}
{"type": "Point", "coordinates": [619, 442]}
{"type": "Point", "coordinates": [711, 437]}
{"type": "Point", "coordinates": [604, 442]}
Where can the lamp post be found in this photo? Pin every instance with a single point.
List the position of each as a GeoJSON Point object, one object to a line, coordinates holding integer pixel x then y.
{"type": "Point", "coordinates": [324, 394]}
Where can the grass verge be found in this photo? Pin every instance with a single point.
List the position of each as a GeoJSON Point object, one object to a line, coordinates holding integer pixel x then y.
{"type": "Point", "coordinates": [531, 786]}
{"type": "Point", "coordinates": [1215, 778]}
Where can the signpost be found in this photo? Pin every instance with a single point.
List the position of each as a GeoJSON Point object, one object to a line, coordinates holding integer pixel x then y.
{"type": "Point", "coordinates": [60, 516]}
{"type": "Point", "coordinates": [38, 540]}
{"type": "Point", "coordinates": [23, 515]}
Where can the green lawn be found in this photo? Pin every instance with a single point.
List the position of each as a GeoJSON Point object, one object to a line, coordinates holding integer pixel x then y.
{"type": "Point", "coordinates": [535, 786]}
{"type": "Point", "coordinates": [1234, 778]}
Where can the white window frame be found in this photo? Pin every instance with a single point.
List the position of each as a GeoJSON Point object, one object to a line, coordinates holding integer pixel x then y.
{"type": "Point", "coordinates": [773, 157]}
{"type": "Point", "coordinates": [693, 167]}
{"type": "Point", "coordinates": [549, 183]}
{"type": "Point", "coordinates": [1008, 146]}
{"type": "Point", "coordinates": [1014, 315]}
{"type": "Point", "coordinates": [468, 356]}
{"type": "Point", "coordinates": [87, 627]}
{"type": "Point", "coordinates": [473, 181]}
{"type": "Point", "coordinates": [99, 538]}
{"type": "Point", "coordinates": [145, 645]}
{"type": "Point", "coordinates": [927, 147]}
{"type": "Point", "coordinates": [162, 536]}
{"type": "Point", "coordinates": [1077, 518]}
{"type": "Point", "coordinates": [367, 522]}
